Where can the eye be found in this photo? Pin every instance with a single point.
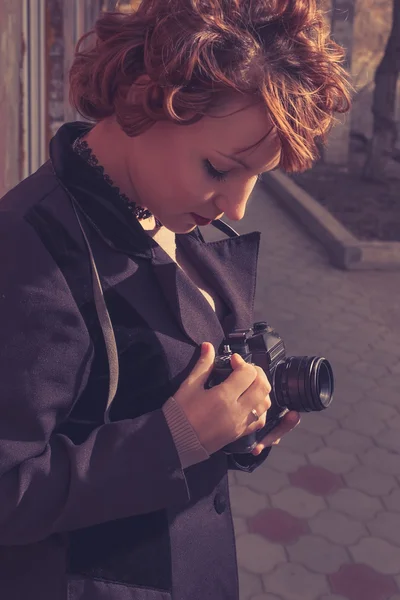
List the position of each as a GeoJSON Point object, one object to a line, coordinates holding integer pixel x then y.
{"type": "Point", "coordinates": [214, 173]}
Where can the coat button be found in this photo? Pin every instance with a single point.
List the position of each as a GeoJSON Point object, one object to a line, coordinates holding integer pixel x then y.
{"type": "Point", "coordinates": [219, 503]}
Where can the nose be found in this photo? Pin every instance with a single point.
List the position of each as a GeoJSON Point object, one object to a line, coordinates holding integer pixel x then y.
{"type": "Point", "coordinates": [233, 201]}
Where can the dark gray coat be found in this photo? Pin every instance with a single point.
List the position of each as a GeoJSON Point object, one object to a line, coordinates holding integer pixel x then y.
{"type": "Point", "coordinates": [88, 510]}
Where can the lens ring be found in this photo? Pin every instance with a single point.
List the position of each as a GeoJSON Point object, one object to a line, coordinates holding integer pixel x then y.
{"type": "Point", "coordinates": [304, 383]}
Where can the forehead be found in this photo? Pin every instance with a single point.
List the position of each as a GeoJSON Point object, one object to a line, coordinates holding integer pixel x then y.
{"type": "Point", "coordinates": [238, 126]}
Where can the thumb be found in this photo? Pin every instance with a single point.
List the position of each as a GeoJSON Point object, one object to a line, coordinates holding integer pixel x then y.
{"type": "Point", "coordinates": [236, 361]}
{"type": "Point", "coordinates": [205, 364]}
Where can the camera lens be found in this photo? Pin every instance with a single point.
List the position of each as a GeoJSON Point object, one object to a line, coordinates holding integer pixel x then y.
{"type": "Point", "coordinates": [304, 383]}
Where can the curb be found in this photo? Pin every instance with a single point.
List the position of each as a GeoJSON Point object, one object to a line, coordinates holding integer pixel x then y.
{"type": "Point", "coordinates": [344, 249]}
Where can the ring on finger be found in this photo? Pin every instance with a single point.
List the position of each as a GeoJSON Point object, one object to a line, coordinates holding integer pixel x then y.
{"type": "Point", "coordinates": [255, 414]}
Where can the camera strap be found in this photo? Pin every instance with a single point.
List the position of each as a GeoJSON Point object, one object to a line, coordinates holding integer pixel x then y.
{"type": "Point", "coordinates": [225, 228]}
{"type": "Point", "coordinates": [104, 317]}
{"type": "Point", "coordinates": [105, 324]}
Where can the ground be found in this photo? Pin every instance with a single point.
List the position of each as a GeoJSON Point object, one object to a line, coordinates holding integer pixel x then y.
{"type": "Point", "coordinates": [370, 211]}
{"type": "Point", "coordinates": [320, 519]}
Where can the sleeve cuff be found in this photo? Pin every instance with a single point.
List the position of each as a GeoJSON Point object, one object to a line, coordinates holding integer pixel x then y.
{"type": "Point", "coordinates": [247, 462]}
{"type": "Point", "coordinates": [186, 441]}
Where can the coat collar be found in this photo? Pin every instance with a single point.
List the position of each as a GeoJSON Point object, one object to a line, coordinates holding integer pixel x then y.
{"type": "Point", "coordinates": [228, 265]}
{"type": "Point", "coordinates": [96, 199]}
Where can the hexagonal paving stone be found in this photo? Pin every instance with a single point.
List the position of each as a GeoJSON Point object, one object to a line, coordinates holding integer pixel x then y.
{"type": "Point", "coordinates": [383, 460]}
{"type": "Point", "coordinates": [380, 357]}
{"type": "Point", "coordinates": [348, 441]}
{"type": "Point", "coordinates": [337, 411]}
{"type": "Point", "coordinates": [347, 397]}
{"type": "Point", "coordinates": [240, 525]}
{"type": "Point", "coordinates": [389, 439]}
{"type": "Point", "coordinates": [389, 395]}
{"type": "Point", "coordinates": [359, 421]}
{"type": "Point", "coordinates": [298, 502]}
{"type": "Point", "coordinates": [302, 441]}
{"type": "Point", "coordinates": [337, 527]}
{"type": "Point", "coordinates": [264, 481]}
{"type": "Point", "coordinates": [370, 481]}
{"type": "Point", "coordinates": [245, 502]}
{"type": "Point", "coordinates": [395, 369]}
{"type": "Point", "coordinates": [377, 554]}
{"type": "Point", "coordinates": [394, 423]}
{"type": "Point", "coordinates": [354, 382]}
{"type": "Point", "coordinates": [249, 584]}
{"type": "Point", "coordinates": [392, 501]}
{"type": "Point", "coordinates": [342, 358]}
{"type": "Point", "coordinates": [232, 477]}
{"type": "Point", "coordinates": [257, 555]}
{"type": "Point", "coordinates": [356, 504]}
{"type": "Point", "coordinates": [317, 424]}
{"type": "Point", "coordinates": [360, 582]}
{"type": "Point", "coordinates": [334, 460]}
{"type": "Point", "coordinates": [294, 582]}
{"type": "Point", "coordinates": [317, 554]}
{"type": "Point", "coordinates": [284, 460]}
{"type": "Point", "coordinates": [386, 525]}
{"type": "Point", "coordinates": [316, 480]}
{"type": "Point", "coordinates": [277, 526]}
{"type": "Point", "coordinates": [363, 367]}
{"type": "Point", "coordinates": [376, 410]}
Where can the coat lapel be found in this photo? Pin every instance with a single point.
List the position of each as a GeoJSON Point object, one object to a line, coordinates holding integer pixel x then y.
{"type": "Point", "coordinates": [229, 266]}
{"type": "Point", "coordinates": [187, 304]}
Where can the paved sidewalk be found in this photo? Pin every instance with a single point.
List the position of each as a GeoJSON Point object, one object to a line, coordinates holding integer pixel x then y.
{"type": "Point", "coordinates": [320, 520]}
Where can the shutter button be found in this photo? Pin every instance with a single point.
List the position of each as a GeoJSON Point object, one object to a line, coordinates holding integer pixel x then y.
{"type": "Point", "coordinates": [219, 503]}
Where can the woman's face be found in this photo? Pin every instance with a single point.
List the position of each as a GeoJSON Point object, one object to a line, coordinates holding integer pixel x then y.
{"type": "Point", "coordinates": [177, 170]}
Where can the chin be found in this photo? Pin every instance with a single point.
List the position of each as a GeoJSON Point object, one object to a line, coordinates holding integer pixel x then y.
{"type": "Point", "coordinates": [183, 227]}
{"type": "Point", "coordinates": [187, 229]}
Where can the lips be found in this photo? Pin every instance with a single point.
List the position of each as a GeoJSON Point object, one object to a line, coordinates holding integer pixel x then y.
{"type": "Point", "coordinates": [200, 220]}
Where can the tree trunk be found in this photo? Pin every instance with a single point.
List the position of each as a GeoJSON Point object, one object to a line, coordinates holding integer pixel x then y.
{"type": "Point", "coordinates": [384, 105]}
{"type": "Point", "coordinates": [337, 149]}
{"type": "Point", "coordinates": [10, 94]}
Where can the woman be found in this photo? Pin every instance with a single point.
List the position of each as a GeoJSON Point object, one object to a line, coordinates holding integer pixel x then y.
{"type": "Point", "coordinates": [114, 484]}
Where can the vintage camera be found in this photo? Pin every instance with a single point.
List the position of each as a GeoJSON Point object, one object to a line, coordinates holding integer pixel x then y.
{"type": "Point", "coordinates": [301, 383]}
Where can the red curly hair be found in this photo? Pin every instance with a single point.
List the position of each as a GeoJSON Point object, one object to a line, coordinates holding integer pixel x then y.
{"type": "Point", "coordinates": [197, 52]}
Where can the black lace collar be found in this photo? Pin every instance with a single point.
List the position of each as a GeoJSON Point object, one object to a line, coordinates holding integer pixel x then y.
{"type": "Point", "coordinates": [130, 208]}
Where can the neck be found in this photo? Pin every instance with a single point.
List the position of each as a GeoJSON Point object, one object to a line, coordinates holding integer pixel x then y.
{"type": "Point", "coordinates": [107, 141]}
{"type": "Point", "coordinates": [107, 144]}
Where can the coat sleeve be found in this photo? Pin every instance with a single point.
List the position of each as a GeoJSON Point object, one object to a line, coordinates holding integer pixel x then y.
{"type": "Point", "coordinates": [48, 484]}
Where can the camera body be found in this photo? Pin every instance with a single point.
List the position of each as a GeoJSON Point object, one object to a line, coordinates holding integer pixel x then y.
{"type": "Point", "coordinates": [300, 383]}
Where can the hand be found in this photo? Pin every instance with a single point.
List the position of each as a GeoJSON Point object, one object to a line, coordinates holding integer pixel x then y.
{"type": "Point", "coordinates": [220, 415]}
{"type": "Point", "coordinates": [289, 422]}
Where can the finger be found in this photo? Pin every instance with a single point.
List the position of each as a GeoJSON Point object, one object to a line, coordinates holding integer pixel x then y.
{"type": "Point", "coordinates": [237, 361]}
{"type": "Point", "coordinates": [241, 378]}
{"type": "Point", "coordinates": [289, 422]}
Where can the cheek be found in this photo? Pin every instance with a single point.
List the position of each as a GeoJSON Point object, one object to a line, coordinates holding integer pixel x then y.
{"type": "Point", "coordinates": [185, 186]}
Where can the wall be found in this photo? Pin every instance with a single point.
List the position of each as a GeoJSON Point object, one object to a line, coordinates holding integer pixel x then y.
{"type": "Point", "coordinates": [372, 25]}
{"type": "Point", "coordinates": [10, 82]}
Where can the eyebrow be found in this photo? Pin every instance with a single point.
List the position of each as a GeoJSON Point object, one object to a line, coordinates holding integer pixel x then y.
{"type": "Point", "coordinates": [235, 159]}
{"type": "Point", "coordinates": [242, 150]}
